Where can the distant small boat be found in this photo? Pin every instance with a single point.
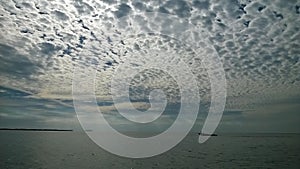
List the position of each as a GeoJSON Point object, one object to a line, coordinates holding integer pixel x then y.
{"type": "Point", "coordinates": [204, 134]}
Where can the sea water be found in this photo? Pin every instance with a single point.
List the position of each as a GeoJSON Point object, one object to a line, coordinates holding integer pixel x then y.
{"type": "Point", "coordinates": [74, 150]}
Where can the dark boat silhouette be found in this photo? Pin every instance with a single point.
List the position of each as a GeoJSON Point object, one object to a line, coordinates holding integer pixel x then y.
{"type": "Point", "coordinates": [205, 134]}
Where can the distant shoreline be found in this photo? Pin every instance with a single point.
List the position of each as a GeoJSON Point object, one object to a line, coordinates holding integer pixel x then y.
{"type": "Point", "coordinates": [26, 129]}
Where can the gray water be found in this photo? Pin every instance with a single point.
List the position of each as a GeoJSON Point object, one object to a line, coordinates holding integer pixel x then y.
{"type": "Point", "coordinates": [74, 150]}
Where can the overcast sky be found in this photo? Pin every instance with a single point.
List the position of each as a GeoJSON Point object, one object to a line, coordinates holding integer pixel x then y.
{"type": "Point", "coordinates": [42, 41]}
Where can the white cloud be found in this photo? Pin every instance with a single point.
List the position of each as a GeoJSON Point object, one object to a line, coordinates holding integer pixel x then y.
{"type": "Point", "coordinates": [257, 41]}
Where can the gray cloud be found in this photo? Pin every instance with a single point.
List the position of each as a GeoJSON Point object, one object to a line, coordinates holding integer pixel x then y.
{"type": "Point", "coordinates": [257, 41]}
{"type": "Point", "coordinates": [18, 109]}
{"type": "Point", "coordinates": [123, 10]}
{"type": "Point", "coordinates": [13, 64]}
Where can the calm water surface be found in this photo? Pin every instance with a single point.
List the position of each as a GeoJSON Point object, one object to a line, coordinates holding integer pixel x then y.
{"type": "Point", "coordinates": [74, 150]}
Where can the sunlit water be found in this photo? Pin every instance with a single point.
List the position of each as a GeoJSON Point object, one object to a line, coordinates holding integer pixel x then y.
{"type": "Point", "coordinates": [74, 150]}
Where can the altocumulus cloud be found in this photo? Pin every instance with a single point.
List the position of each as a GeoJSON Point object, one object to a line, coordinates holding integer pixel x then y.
{"type": "Point", "coordinates": [257, 41]}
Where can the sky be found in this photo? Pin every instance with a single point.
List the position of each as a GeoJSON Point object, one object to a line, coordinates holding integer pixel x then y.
{"type": "Point", "coordinates": [41, 42]}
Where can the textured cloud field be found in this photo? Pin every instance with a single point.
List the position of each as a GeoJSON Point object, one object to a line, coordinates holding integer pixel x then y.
{"type": "Point", "coordinates": [258, 43]}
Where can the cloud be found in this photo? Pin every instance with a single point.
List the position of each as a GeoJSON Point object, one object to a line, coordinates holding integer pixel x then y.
{"type": "Point", "coordinates": [257, 41]}
{"type": "Point", "coordinates": [15, 65]}
{"type": "Point", "coordinates": [123, 10]}
{"type": "Point", "coordinates": [19, 110]}
{"type": "Point", "coordinates": [238, 44]}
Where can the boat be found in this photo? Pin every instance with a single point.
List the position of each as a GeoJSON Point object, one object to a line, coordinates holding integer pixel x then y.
{"type": "Point", "coordinates": [205, 134]}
